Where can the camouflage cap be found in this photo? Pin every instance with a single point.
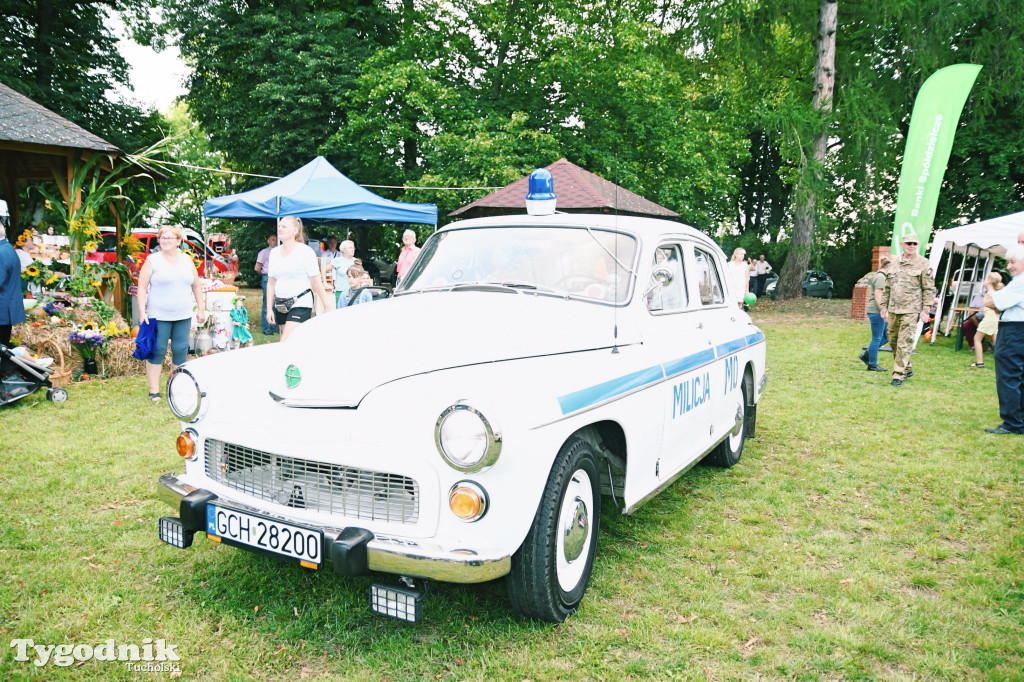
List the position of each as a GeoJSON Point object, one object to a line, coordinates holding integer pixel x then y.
{"type": "Point", "coordinates": [909, 237]}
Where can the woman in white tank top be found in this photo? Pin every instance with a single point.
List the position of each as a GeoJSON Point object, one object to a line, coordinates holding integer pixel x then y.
{"type": "Point", "coordinates": [168, 290]}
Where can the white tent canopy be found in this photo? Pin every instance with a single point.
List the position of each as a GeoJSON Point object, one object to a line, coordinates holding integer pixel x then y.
{"type": "Point", "coordinates": [978, 242]}
{"type": "Point", "coordinates": [994, 236]}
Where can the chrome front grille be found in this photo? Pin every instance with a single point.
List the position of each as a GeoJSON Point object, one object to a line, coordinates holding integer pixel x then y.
{"type": "Point", "coordinates": [307, 484]}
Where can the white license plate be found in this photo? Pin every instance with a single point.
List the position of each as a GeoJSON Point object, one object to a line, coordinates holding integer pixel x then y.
{"type": "Point", "coordinates": [264, 533]}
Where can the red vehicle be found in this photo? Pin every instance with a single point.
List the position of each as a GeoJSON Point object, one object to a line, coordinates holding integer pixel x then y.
{"type": "Point", "coordinates": [224, 264]}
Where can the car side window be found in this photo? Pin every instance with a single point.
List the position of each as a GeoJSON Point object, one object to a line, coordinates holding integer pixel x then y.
{"type": "Point", "coordinates": [672, 296]}
{"type": "Point", "coordinates": [709, 283]}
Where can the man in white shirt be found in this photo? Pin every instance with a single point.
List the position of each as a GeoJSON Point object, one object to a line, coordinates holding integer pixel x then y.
{"type": "Point", "coordinates": [262, 262]}
{"type": "Point", "coordinates": [1009, 355]}
{"type": "Point", "coordinates": [762, 268]}
{"type": "Point", "coordinates": [331, 252]}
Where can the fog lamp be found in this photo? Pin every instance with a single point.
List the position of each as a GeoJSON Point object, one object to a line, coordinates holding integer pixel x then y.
{"type": "Point", "coordinates": [174, 533]}
{"type": "Point", "coordinates": [186, 444]}
{"type": "Point", "coordinates": [396, 602]}
{"type": "Point", "coordinates": [467, 500]}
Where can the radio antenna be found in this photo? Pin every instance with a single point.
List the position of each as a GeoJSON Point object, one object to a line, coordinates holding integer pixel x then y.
{"type": "Point", "coordinates": [615, 284]}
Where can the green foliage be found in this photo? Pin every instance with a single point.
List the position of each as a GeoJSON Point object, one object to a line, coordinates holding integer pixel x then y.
{"type": "Point", "coordinates": [185, 189]}
{"type": "Point", "coordinates": [97, 186]}
{"type": "Point", "coordinates": [63, 56]}
{"type": "Point", "coordinates": [704, 107]}
{"type": "Point", "coordinates": [271, 82]}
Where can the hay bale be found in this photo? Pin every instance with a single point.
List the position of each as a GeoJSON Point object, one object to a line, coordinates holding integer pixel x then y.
{"type": "Point", "coordinates": [117, 360]}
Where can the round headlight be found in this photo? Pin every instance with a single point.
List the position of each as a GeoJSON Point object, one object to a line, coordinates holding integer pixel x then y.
{"type": "Point", "coordinates": [183, 395]}
{"type": "Point", "coordinates": [466, 439]}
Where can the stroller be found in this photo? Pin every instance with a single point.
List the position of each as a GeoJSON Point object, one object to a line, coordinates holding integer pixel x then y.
{"type": "Point", "coordinates": [20, 377]}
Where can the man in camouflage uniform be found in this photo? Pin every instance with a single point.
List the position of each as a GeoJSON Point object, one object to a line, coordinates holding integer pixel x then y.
{"type": "Point", "coordinates": [909, 290]}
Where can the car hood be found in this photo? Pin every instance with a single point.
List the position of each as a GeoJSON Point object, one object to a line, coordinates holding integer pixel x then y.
{"type": "Point", "coordinates": [341, 356]}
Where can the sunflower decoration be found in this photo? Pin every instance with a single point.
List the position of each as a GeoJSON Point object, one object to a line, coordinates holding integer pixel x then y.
{"type": "Point", "coordinates": [84, 226]}
{"type": "Point", "coordinates": [22, 238]}
{"type": "Point", "coordinates": [37, 274]}
{"type": "Point", "coordinates": [113, 331]}
{"type": "Point", "coordinates": [90, 327]}
{"type": "Point", "coordinates": [131, 245]}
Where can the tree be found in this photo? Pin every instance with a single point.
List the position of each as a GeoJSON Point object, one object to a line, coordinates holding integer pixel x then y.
{"type": "Point", "coordinates": [270, 81]}
{"type": "Point", "coordinates": [62, 56]}
{"type": "Point", "coordinates": [811, 176]}
{"type": "Point", "coordinates": [187, 185]}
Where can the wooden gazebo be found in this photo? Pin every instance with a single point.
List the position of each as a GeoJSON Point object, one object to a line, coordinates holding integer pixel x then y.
{"type": "Point", "coordinates": [37, 144]}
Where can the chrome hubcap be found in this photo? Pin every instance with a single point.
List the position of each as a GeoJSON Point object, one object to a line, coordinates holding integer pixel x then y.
{"type": "Point", "coordinates": [576, 531]}
{"type": "Point", "coordinates": [573, 535]}
{"type": "Point", "coordinates": [739, 420]}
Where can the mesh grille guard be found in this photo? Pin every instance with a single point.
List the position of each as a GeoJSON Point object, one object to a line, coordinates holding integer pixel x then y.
{"type": "Point", "coordinates": [318, 486]}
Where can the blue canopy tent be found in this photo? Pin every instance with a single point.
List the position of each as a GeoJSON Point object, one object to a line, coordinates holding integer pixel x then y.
{"type": "Point", "coordinates": [317, 191]}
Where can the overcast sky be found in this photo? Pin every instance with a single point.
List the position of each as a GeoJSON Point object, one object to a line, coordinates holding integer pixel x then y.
{"type": "Point", "coordinates": [156, 77]}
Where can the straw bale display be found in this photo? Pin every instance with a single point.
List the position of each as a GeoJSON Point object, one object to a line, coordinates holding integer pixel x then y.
{"type": "Point", "coordinates": [114, 360]}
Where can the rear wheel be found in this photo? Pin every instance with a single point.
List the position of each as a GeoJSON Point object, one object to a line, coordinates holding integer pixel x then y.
{"type": "Point", "coordinates": [728, 452]}
{"type": "Point", "coordinates": [551, 570]}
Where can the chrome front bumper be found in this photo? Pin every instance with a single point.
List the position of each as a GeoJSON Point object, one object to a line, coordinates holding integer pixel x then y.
{"type": "Point", "coordinates": [384, 555]}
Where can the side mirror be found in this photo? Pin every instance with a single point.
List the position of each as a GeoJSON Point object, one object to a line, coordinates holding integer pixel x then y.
{"type": "Point", "coordinates": [662, 277]}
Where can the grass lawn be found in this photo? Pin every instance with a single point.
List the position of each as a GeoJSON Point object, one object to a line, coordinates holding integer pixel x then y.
{"type": "Point", "coordinates": [868, 533]}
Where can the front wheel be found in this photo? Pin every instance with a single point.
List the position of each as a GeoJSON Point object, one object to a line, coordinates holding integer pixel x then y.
{"type": "Point", "coordinates": [551, 570]}
{"type": "Point", "coordinates": [828, 294]}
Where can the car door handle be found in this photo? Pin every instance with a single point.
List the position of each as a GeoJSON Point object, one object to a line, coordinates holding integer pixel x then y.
{"type": "Point", "coordinates": [700, 325]}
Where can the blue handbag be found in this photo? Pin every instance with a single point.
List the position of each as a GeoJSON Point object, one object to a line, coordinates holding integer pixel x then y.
{"type": "Point", "coordinates": [145, 340]}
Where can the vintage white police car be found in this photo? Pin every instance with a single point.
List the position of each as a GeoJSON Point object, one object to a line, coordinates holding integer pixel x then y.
{"type": "Point", "coordinates": [527, 370]}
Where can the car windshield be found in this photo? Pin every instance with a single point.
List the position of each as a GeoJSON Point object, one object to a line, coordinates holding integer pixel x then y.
{"type": "Point", "coordinates": [575, 261]}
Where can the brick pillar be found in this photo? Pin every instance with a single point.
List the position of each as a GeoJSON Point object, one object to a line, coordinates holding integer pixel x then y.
{"type": "Point", "coordinates": [858, 311]}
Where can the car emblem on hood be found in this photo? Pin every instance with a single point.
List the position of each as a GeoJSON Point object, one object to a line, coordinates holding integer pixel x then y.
{"type": "Point", "coordinates": [292, 376]}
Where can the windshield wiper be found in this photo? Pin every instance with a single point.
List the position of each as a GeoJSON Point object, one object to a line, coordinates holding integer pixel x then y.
{"type": "Point", "coordinates": [518, 284]}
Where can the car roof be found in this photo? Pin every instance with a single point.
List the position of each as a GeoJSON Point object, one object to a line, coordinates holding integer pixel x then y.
{"type": "Point", "coordinates": [647, 229]}
{"type": "Point", "coordinates": [185, 231]}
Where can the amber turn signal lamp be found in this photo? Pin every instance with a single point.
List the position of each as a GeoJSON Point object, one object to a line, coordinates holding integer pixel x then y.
{"type": "Point", "coordinates": [185, 445]}
{"type": "Point", "coordinates": [467, 501]}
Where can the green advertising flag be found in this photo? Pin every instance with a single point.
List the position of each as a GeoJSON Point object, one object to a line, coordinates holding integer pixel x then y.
{"type": "Point", "coordinates": [929, 141]}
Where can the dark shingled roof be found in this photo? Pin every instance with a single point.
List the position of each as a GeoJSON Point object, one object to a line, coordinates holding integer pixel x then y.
{"type": "Point", "coordinates": [24, 121]}
{"type": "Point", "coordinates": [577, 190]}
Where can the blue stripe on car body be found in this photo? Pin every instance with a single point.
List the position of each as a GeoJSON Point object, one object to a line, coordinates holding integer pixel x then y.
{"type": "Point", "coordinates": [674, 367]}
{"type": "Point", "coordinates": [609, 389]}
{"type": "Point", "coordinates": [587, 397]}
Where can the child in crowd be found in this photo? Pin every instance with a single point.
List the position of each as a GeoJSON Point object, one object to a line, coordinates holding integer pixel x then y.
{"type": "Point", "coordinates": [355, 281]}
{"type": "Point", "coordinates": [989, 325]}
